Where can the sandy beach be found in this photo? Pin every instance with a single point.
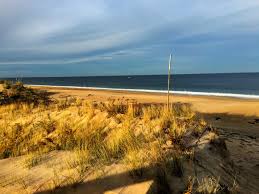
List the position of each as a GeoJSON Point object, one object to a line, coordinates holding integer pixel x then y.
{"type": "Point", "coordinates": [202, 104]}
{"type": "Point", "coordinates": [225, 112]}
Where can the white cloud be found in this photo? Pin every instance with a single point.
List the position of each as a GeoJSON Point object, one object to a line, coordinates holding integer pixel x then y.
{"type": "Point", "coordinates": [37, 30]}
{"type": "Point", "coordinates": [102, 57]}
{"type": "Point", "coordinates": [57, 61]}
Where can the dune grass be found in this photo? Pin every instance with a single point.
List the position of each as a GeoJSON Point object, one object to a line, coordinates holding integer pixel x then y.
{"type": "Point", "coordinates": [100, 134]}
{"type": "Point", "coordinates": [107, 134]}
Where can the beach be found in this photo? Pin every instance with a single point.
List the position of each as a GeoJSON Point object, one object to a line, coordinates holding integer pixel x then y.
{"type": "Point", "coordinates": [234, 114]}
{"type": "Point", "coordinates": [225, 129]}
{"type": "Point", "coordinates": [202, 104]}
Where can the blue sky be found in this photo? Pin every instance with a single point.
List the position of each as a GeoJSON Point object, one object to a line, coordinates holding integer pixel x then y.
{"type": "Point", "coordinates": [112, 37]}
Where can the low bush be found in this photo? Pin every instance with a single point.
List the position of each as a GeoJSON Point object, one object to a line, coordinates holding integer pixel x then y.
{"type": "Point", "coordinates": [18, 93]}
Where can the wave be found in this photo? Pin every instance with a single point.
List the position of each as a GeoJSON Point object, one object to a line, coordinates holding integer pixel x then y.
{"type": "Point", "coordinates": [191, 93]}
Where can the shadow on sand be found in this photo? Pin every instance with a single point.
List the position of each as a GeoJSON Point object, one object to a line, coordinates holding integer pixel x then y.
{"type": "Point", "coordinates": [155, 175]}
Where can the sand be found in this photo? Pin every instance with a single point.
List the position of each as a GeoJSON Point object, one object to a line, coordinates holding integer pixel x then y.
{"type": "Point", "coordinates": [203, 104]}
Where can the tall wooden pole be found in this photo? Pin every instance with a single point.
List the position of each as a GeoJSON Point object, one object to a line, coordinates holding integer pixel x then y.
{"type": "Point", "coordinates": [169, 74]}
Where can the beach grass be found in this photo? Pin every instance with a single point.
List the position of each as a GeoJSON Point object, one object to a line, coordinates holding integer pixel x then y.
{"type": "Point", "coordinates": [99, 134]}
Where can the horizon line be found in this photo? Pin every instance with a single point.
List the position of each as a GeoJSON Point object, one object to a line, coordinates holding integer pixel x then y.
{"type": "Point", "coordinates": [125, 75]}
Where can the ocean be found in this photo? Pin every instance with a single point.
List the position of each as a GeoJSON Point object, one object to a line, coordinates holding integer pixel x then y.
{"type": "Point", "coordinates": [226, 84]}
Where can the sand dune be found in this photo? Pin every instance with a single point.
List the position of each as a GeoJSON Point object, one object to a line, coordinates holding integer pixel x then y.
{"type": "Point", "coordinates": [231, 152]}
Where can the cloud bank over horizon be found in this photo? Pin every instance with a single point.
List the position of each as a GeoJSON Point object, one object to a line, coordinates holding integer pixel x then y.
{"type": "Point", "coordinates": [110, 37]}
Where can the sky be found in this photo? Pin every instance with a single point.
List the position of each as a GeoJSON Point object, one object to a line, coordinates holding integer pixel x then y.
{"type": "Point", "coordinates": [114, 37]}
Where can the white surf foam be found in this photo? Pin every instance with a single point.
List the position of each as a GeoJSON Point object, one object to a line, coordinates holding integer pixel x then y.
{"type": "Point", "coordinates": [232, 95]}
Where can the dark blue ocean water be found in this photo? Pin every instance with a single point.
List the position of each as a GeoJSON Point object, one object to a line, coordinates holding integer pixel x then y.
{"type": "Point", "coordinates": [237, 83]}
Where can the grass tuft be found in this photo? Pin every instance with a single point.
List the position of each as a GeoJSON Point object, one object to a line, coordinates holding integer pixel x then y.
{"type": "Point", "coordinates": [208, 185]}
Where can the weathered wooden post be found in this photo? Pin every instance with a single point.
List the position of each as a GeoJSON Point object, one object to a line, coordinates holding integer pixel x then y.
{"type": "Point", "coordinates": [169, 75]}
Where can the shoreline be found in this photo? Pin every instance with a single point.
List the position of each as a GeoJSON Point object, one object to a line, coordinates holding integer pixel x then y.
{"type": "Point", "coordinates": [201, 104]}
{"type": "Point", "coordinates": [238, 115]}
{"type": "Point", "coordinates": [184, 93]}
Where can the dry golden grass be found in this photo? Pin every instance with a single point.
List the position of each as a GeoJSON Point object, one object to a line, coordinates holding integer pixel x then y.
{"type": "Point", "coordinates": [97, 133]}
{"type": "Point", "coordinates": [107, 131]}
{"type": "Point", "coordinates": [33, 159]}
{"type": "Point", "coordinates": [208, 185]}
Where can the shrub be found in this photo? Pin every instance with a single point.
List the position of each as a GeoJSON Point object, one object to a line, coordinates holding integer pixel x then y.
{"type": "Point", "coordinates": [17, 93]}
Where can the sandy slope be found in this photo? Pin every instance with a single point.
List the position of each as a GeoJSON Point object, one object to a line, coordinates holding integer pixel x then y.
{"type": "Point", "coordinates": [52, 170]}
